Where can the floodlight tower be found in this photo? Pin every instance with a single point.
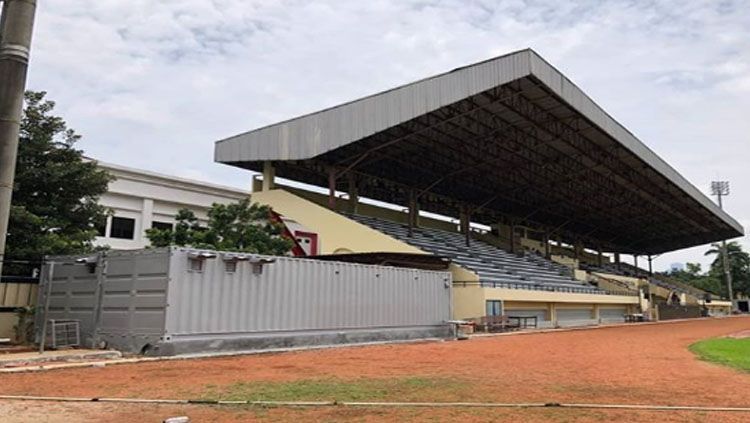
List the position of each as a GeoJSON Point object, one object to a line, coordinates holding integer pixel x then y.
{"type": "Point", "coordinates": [721, 189]}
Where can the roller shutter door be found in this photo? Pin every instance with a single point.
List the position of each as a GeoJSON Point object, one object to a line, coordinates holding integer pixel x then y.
{"type": "Point", "coordinates": [614, 314]}
{"type": "Point", "coordinates": [566, 314]}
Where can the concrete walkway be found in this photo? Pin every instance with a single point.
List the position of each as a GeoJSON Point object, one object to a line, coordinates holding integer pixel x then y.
{"type": "Point", "coordinates": [25, 359]}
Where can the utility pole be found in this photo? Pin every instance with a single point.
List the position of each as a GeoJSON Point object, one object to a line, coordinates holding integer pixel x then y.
{"type": "Point", "coordinates": [16, 25]}
{"type": "Point", "coordinates": [721, 189]}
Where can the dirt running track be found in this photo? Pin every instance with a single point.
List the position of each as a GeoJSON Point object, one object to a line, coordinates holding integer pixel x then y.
{"type": "Point", "coordinates": [637, 364]}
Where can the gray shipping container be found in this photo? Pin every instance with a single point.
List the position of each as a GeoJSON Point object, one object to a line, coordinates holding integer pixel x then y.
{"type": "Point", "coordinates": [180, 300]}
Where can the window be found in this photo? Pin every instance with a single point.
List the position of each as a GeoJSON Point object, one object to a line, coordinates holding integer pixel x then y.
{"type": "Point", "coordinates": [122, 227]}
{"type": "Point", "coordinates": [230, 266]}
{"type": "Point", "coordinates": [162, 225]}
{"type": "Point", "coordinates": [494, 308]}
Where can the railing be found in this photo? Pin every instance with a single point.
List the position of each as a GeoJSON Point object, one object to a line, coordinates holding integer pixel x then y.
{"type": "Point", "coordinates": [34, 280]}
{"type": "Point", "coordinates": [540, 287]}
{"type": "Point", "coordinates": [616, 282]}
{"type": "Point", "coordinates": [658, 279]}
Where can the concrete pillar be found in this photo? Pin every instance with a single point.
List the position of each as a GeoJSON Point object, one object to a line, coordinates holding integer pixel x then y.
{"type": "Point", "coordinates": [147, 218]}
{"type": "Point", "coordinates": [353, 194]}
{"type": "Point", "coordinates": [650, 265]}
{"type": "Point", "coordinates": [256, 185]}
{"type": "Point", "coordinates": [413, 211]}
{"type": "Point", "coordinates": [617, 260]}
{"type": "Point", "coordinates": [595, 312]}
{"type": "Point", "coordinates": [552, 314]}
{"type": "Point", "coordinates": [269, 174]}
{"type": "Point", "coordinates": [599, 258]}
{"type": "Point", "coordinates": [332, 189]}
{"type": "Point", "coordinates": [635, 260]}
{"type": "Point", "coordinates": [512, 237]}
{"type": "Point", "coordinates": [547, 253]}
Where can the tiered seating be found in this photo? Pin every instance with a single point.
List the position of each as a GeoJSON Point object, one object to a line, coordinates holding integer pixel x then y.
{"type": "Point", "coordinates": [494, 266]}
{"type": "Point", "coordinates": [659, 280]}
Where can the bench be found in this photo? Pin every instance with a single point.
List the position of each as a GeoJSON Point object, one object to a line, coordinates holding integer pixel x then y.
{"type": "Point", "coordinates": [635, 317]}
{"type": "Point", "coordinates": [497, 323]}
{"type": "Point", "coordinates": [525, 322]}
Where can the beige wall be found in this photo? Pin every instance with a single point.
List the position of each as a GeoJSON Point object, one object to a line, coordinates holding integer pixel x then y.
{"type": "Point", "coordinates": [339, 234]}
{"type": "Point", "coordinates": [7, 321]}
{"type": "Point", "coordinates": [343, 205]}
{"type": "Point", "coordinates": [14, 295]}
{"type": "Point", "coordinates": [469, 302]}
{"type": "Point", "coordinates": [634, 283]}
{"type": "Point", "coordinates": [565, 260]}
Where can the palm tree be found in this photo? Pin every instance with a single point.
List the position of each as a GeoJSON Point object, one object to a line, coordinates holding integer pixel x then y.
{"type": "Point", "coordinates": [739, 265]}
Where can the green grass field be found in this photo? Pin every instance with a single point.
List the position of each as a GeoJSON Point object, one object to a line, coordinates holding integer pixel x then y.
{"type": "Point", "coordinates": [392, 389]}
{"type": "Point", "coordinates": [726, 351]}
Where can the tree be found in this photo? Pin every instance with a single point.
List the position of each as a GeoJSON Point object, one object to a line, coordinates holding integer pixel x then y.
{"type": "Point", "coordinates": [240, 226]}
{"type": "Point", "coordinates": [55, 206]}
{"type": "Point", "coordinates": [693, 275]}
{"type": "Point", "coordinates": [739, 266]}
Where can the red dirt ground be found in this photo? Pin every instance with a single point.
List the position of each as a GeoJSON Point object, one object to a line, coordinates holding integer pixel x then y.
{"type": "Point", "coordinates": [636, 364]}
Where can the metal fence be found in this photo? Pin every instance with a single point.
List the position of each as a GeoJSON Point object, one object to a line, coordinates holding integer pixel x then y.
{"type": "Point", "coordinates": [542, 287]}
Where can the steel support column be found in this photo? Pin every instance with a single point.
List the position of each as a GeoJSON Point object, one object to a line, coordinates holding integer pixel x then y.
{"type": "Point", "coordinates": [16, 27]}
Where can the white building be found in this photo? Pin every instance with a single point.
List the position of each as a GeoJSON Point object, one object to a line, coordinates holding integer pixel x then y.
{"type": "Point", "coordinates": [141, 200]}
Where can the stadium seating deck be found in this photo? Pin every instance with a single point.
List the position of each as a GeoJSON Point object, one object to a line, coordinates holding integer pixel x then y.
{"type": "Point", "coordinates": [495, 267]}
{"type": "Point", "coordinates": [625, 269]}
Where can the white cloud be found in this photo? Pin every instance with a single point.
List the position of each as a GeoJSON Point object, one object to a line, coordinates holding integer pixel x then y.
{"type": "Point", "coordinates": [152, 84]}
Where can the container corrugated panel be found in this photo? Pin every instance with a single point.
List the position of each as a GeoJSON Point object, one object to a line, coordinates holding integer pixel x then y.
{"type": "Point", "coordinates": [123, 304]}
{"type": "Point", "coordinates": [294, 294]}
{"type": "Point", "coordinates": [73, 294]}
{"type": "Point", "coordinates": [134, 294]}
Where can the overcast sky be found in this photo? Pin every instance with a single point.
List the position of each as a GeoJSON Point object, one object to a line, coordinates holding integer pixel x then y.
{"type": "Point", "coordinates": [153, 83]}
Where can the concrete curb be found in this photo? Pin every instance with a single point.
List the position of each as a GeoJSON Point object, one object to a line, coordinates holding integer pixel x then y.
{"type": "Point", "coordinates": [601, 326]}
{"type": "Point", "coordinates": [28, 361]}
{"type": "Point", "coordinates": [334, 403]}
{"type": "Point", "coordinates": [131, 360]}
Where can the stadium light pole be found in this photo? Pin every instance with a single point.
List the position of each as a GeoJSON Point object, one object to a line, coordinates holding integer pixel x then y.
{"type": "Point", "coordinates": [721, 189]}
{"type": "Point", "coordinates": [16, 25]}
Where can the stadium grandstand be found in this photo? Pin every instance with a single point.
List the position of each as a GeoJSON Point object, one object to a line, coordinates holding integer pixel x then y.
{"type": "Point", "coordinates": [504, 168]}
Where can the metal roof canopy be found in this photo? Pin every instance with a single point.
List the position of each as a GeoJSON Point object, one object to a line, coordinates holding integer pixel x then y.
{"type": "Point", "coordinates": [510, 139]}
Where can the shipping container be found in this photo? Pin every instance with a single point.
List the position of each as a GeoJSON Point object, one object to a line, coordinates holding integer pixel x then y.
{"type": "Point", "coordinates": [180, 300]}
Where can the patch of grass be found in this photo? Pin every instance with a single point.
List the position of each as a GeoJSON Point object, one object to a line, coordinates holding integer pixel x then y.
{"type": "Point", "coordinates": [396, 389]}
{"type": "Point", "coordinates": [726, 351]}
